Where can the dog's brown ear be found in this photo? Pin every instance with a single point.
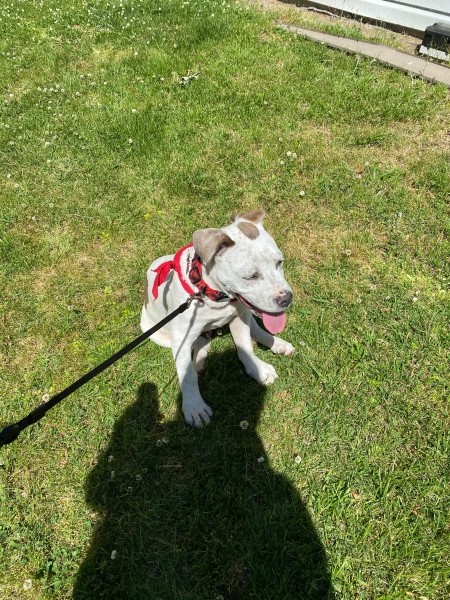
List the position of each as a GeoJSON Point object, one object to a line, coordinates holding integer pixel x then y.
{"type": "Point", "coordinates": [254, 216]}
{"type": "Point", "coordinates": [209, 242]}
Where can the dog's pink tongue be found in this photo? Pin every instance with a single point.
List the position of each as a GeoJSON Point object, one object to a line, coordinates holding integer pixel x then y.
{"type": "Point", "coordinates": [274, 323]}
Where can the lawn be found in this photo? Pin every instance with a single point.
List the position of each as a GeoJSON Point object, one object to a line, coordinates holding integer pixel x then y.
{"type": "Point", "coordinates": [333, 482]}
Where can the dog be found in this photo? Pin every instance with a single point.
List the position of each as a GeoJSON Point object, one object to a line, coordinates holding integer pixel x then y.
{"type": "Point", "coordinates": [237, 273]}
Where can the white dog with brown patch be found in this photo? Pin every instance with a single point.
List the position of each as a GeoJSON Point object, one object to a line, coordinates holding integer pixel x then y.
{"type": "Point", "coordinates": [238, 270]}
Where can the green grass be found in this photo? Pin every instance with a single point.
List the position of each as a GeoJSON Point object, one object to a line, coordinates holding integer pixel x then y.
{"type": "Point", "coordinates": [107, 162]}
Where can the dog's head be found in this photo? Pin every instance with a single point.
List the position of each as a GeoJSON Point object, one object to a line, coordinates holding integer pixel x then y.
{"type": "Point", "coordinates": [245, 262]}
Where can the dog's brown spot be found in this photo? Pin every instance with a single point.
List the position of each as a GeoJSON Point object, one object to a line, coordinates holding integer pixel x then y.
{"type": "Point", "coordinates": [255, 216]}
{"type": "Point", "coordinates": [248, 229]}
{"type": "Point", "coordinates": [146, 299]}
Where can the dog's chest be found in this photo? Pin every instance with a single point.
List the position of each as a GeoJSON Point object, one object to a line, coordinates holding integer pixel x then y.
{"type": "Point", "coordinates": [213, 317]}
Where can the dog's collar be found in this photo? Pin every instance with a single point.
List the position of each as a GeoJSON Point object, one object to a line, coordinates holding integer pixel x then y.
{"type": "Point", "coordinates": [194, 272]}
{"type": "Point", "coordinates": [195, 277]}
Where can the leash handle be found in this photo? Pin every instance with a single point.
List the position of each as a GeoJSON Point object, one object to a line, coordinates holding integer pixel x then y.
{"type": "Point", "coordinates": [11, 432]}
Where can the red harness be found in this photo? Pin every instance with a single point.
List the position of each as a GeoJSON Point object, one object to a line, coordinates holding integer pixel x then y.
{"type": "Point", "coordinates": [195, 276]}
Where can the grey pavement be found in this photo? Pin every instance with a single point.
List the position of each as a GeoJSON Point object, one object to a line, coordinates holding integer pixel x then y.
{"type": "Point", "coordinates": [409, 63]}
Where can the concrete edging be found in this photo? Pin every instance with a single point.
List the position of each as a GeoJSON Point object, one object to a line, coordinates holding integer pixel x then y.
{"type": "Point", "coordinates": [413, 65]}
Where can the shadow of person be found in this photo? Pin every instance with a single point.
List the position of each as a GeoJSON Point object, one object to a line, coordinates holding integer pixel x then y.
{"type": "Point", "coordinates": [189, 514]}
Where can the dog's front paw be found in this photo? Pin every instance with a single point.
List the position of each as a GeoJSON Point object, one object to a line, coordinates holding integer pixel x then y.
{"type": "Point", "coordinates": [262, 372]}
{"type": "Point", "coordinates": [196, 412]}
{"type": "Point", "coordinates": [281, 347]}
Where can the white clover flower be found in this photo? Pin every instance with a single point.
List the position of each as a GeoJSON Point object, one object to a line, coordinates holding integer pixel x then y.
{"type": "Point", "coordinates": [261, 459]}
{"type": "Point", "coordinates": [243, 425]}
{"type": "Point", "coordinates": [130, 141]}
{"type": "Point", "coordinates": [114, 555]}
{"type": "Point", "coordinates": [45, 397]}
{"type": "Point", "coordinates": [27, 584]}
{"type": "Point", "coordinates": [302, 193]}
{"type": "Point", "coordinates": [298, 459]}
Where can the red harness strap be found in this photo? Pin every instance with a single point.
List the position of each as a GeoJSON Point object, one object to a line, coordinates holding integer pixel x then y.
{"type": "Point", "coordinates": [195, 276]}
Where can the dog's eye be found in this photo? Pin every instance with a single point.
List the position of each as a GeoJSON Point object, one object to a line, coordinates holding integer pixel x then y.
{"type": "Point", "coordinates": [253, 276]}
{"type": "Point", "coordinates": [280, 264]}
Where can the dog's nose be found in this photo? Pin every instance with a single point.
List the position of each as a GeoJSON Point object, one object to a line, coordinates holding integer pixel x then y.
{"type": "Point", "coordinates": [284, 299]}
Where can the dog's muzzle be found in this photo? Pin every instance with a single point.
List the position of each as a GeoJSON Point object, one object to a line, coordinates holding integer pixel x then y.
{"type": "Point", "coordinates": [284, 299]}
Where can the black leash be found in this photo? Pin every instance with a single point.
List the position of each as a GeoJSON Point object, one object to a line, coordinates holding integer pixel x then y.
{"type": "Point", "coordinates": [10, 433]}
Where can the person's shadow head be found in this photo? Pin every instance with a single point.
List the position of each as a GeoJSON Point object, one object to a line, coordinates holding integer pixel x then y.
{"type": "Point", "coordinates": [198, 514]}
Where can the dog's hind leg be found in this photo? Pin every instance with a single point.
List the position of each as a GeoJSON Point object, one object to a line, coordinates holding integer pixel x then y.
{"type": "Point", "coordinates": [276, 344]}
{"type": "Point", "coordinates": [200, 350]}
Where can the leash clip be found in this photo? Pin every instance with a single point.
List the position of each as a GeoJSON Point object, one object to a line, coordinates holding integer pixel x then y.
{"type": "Point", "coordinates": [198, 296]}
